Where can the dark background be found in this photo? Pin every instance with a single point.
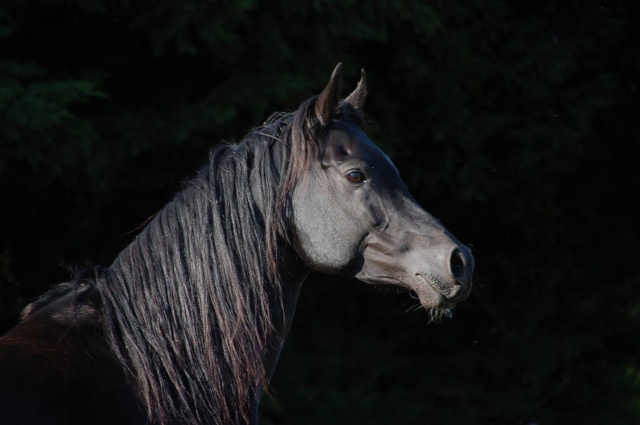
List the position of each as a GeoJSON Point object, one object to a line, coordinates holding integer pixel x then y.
{"type": "Point", "coordinates": [515, 123]}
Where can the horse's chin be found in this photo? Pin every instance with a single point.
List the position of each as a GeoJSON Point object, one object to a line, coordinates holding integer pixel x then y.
{"type": "Point", "coordinates": [436, 304]}
{"type": "Point", "coordinates": [430, 298]}
{"type": "Point", "coordinates": [435, 294]}
{"type": "Point", "coordinates": [433, 300]}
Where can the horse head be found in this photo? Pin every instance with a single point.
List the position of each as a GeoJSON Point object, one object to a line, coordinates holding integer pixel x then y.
{"type": "Point", "coordinates": [354, 215]}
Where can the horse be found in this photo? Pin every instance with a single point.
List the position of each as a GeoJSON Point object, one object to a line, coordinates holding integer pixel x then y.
{"type": "Point", "coordinates": [187, 324]}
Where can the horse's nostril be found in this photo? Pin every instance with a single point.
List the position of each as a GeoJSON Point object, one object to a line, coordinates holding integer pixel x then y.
{"type": "Point", "coordinates": [458, 266]}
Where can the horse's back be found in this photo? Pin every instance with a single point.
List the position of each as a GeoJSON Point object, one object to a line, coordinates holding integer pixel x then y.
{"type": "Point", "coordinates": [56, 368]}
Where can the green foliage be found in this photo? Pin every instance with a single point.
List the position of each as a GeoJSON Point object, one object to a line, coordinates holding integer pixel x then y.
{"type": "Point", "coordinates": [514, 123]}
{"type": "Point", "coordinates": [37, 119]}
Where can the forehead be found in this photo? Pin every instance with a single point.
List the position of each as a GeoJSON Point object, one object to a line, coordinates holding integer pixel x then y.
{"type": "Point", "coordinates": [346, 141]}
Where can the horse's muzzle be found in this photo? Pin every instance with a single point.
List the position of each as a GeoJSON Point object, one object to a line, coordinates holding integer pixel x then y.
{"type": "Point", "coordinates": [448, 284]}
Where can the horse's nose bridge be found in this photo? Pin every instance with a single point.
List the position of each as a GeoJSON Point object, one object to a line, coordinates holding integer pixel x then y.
{"type": "Point", "coordinates": [428, 247]}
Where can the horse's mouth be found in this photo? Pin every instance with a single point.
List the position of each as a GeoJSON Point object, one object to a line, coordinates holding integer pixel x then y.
{"type": "Point", "coordinates": [433, 294]}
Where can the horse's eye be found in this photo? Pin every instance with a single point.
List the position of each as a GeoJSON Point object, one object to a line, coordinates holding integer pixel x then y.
{"type": "Point", "coordinates": [356, 177]}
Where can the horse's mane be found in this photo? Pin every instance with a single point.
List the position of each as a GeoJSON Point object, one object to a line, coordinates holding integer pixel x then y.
{"type": "Point", "coordinates": [191, 304]}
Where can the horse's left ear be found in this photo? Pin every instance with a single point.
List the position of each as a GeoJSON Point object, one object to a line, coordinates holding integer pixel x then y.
{"type": "Point", "coordinates": [327, 102]}
{"type": "Point", "coordinates": [356, 98]}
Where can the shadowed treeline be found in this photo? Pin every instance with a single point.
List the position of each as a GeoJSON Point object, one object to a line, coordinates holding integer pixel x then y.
{"type": "Point", "coordinates": [515, 124]}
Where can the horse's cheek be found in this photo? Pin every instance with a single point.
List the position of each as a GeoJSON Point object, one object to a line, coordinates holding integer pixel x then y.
{"type": "Point", "coordinates": [327, 239]}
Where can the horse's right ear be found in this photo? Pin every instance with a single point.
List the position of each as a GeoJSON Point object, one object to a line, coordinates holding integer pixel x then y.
{"type": "Point", "coordinates": [327, 102]}
{"type": "Point", "coordinates": [356, 98]}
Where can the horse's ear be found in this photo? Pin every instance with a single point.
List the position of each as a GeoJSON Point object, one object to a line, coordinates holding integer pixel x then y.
{"type": "Point", "coordinates": [327, 101]}
{"type": "Point", "coordinates": [356, 98]}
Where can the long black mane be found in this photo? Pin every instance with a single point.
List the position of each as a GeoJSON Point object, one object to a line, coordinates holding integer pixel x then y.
{"type": "Point", "coordinates": [190, 305]}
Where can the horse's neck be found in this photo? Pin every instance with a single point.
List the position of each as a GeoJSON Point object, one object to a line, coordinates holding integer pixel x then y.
{"type": "Point", "coordinates": [293, 273]}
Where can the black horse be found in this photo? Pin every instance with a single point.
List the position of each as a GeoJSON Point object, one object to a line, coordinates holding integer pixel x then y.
{"type": "Point", "coordinates": [187, 324]}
